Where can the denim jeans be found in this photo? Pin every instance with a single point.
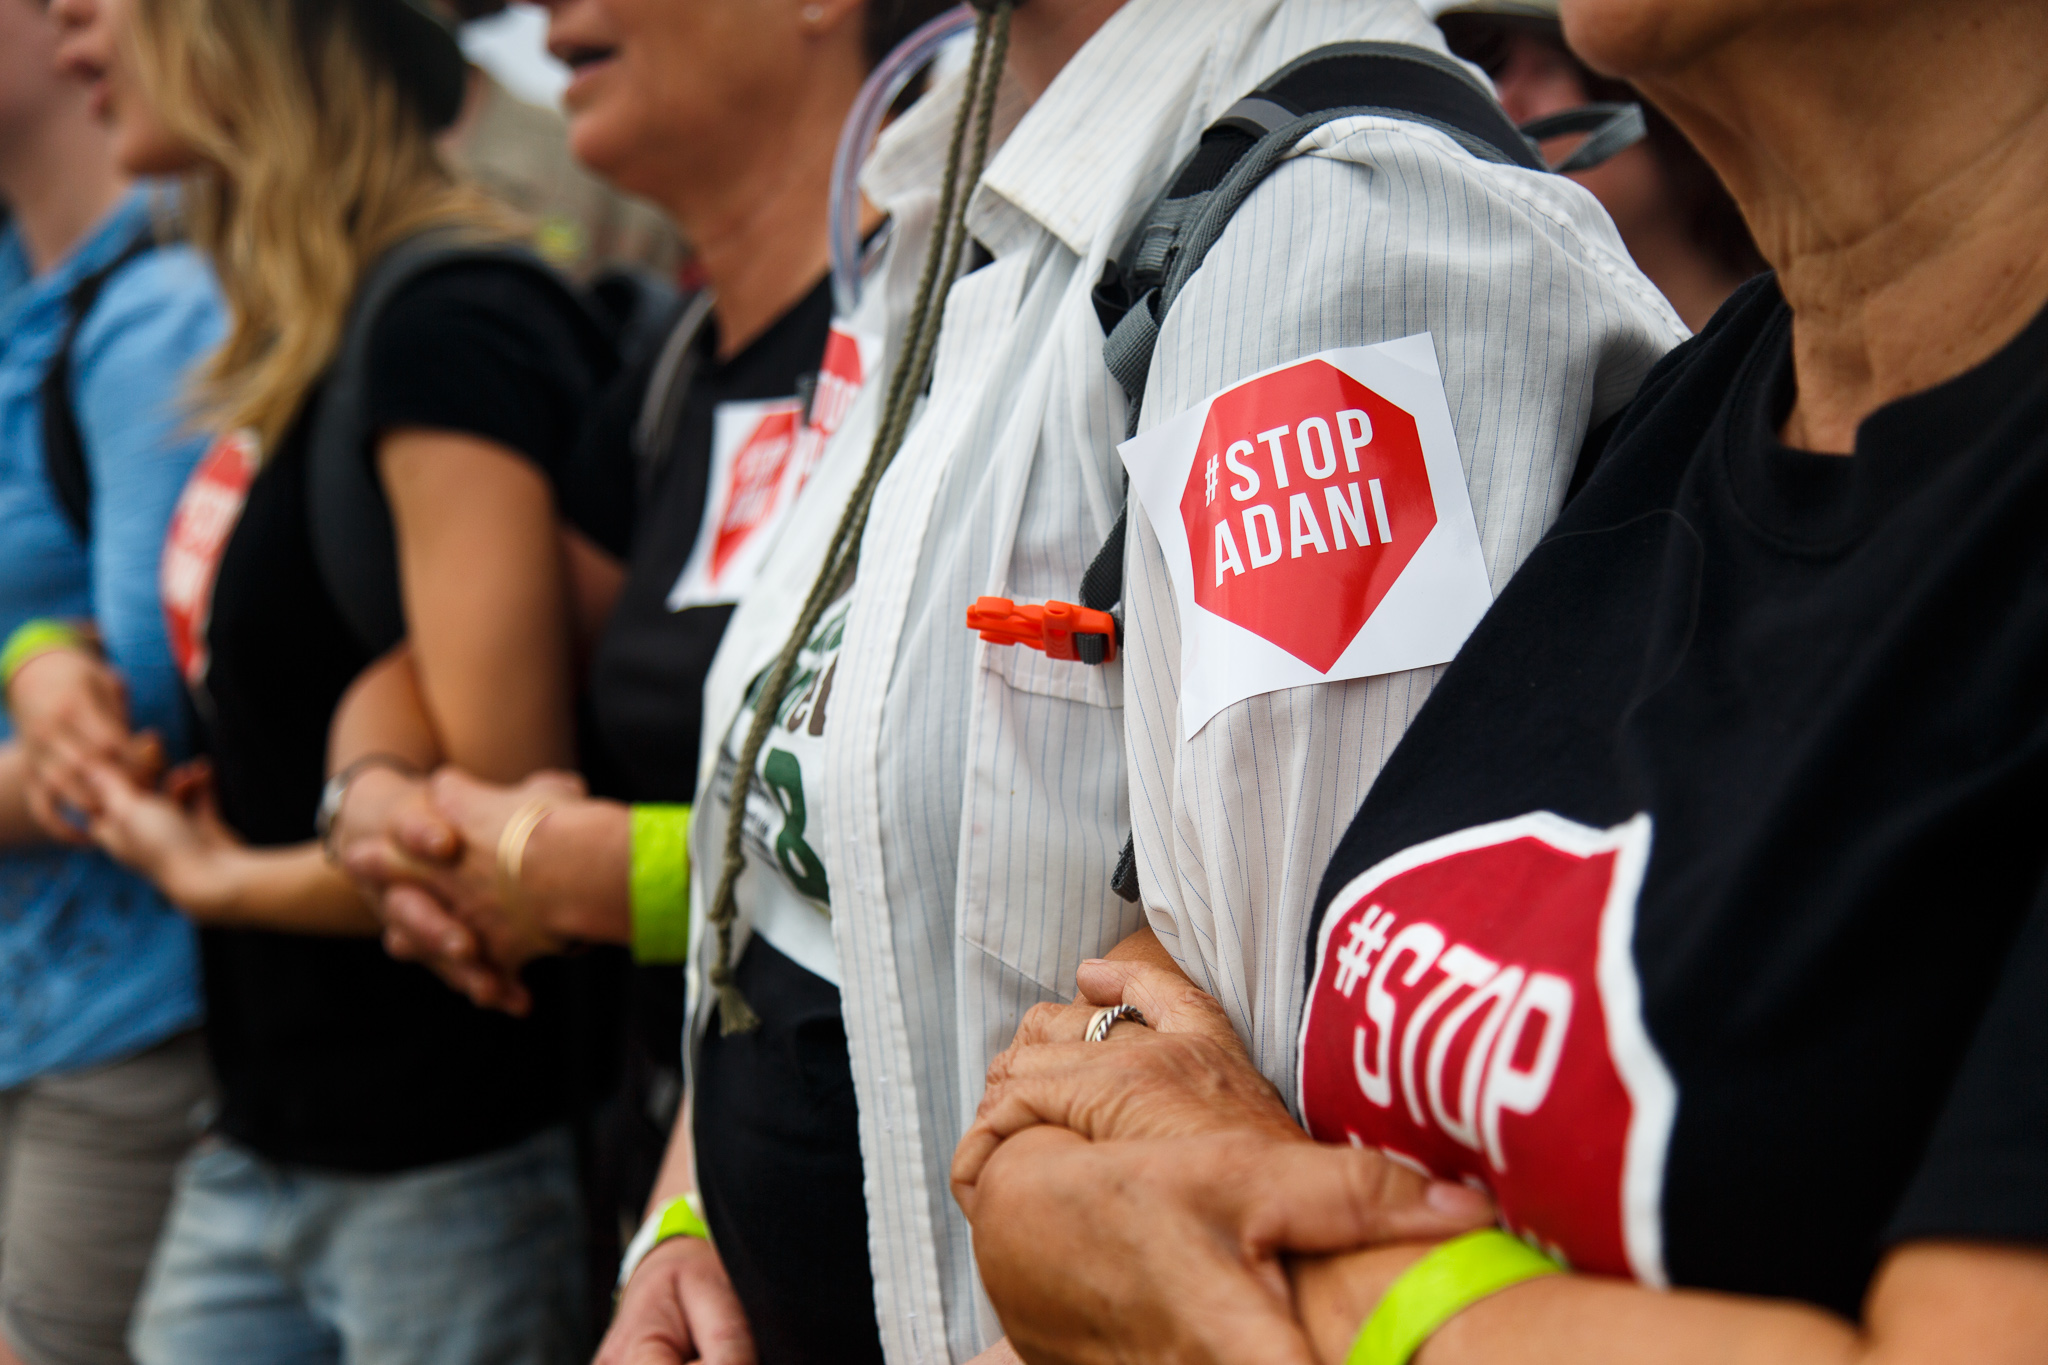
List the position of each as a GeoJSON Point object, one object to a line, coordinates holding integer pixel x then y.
{"type": "Point", "coordinates": [471, 1263]}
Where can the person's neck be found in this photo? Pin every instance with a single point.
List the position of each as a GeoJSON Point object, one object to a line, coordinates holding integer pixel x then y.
{"type": "Point", "coordinates": [58, 177]}
{"type": "Point", "coordinates": [1899, 200]}
{"type": "Point", "coordinates": [1045, 35]}
{"type": "Point", "coordinates": [760, 236]}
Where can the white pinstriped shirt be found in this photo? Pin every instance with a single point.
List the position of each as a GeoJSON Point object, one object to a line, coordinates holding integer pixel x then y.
{"type": "Point", "coordinates": [974, 798]}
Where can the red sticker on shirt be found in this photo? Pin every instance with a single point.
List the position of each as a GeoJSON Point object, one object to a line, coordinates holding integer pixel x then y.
{"type": "Point", "coordinates": [200, 526]}
{"type": "Point", "coordinates": [1308, 497]}
{"type": "Point", "coordinates": [763, 452]}
{"type": "Point", "coordinates": [1475, 1012]}
{"type": "Point", "coordinates": [756, 485]}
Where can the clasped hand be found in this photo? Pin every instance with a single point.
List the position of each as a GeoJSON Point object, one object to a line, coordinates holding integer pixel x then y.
{"type": "Point", "coordinates": [430, 866]}
{"type": "Point", "coordinates": [1137, 1199]}
{"type": "Point", "coordinates": [70, 716]}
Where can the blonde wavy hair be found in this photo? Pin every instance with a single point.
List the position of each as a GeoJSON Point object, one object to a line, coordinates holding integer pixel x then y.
{"type": "Point", "coordinates": [312, 163]}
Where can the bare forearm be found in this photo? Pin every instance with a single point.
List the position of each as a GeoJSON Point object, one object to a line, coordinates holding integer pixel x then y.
{"type": "Point", "coordinates": [486, 600]}
{"type": "Point", "coordinates": [1930, 1303]}
{"type": "Point", "coordinates": [675, 1177]}
{"type": "Point", "coordinates": [383, 713]}
{"type": "Point", "coordinates": [577, 872]}
{"type": "Point", "coordinates": [290, 890]}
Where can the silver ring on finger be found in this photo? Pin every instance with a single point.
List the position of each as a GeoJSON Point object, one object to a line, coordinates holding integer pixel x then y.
{"type": "Point", "coordinates": [1107, 1018]}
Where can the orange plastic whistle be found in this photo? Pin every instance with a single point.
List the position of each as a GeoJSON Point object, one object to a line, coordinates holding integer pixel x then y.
{"type": "Point", "coordinates": [1050, 628]}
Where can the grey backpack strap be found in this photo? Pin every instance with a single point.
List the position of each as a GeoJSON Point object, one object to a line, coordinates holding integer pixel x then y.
{"type": "Point", "coordinates": [354, 545]}
{"type": "Point", "coordinates": [668, 391]}
{"type": "Point", "coordinates": [1610, 128]}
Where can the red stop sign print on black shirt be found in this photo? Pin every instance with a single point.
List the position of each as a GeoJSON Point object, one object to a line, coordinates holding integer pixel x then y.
{"type": "Point", "coordinates": [1475, 1012]}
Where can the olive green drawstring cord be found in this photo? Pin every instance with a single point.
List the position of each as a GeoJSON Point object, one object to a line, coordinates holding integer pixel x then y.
{"type": "Point", "coordinates": [906, 384]}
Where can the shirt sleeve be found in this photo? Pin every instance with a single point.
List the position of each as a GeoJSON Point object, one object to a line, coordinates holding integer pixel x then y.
{"type": "Point", "coordinates": [1985, 1173]}
{"type": "Point", "coordinates": [132, 364]}
{"type": "Point", "coordinates": [1375, 230]}
{"type": "Point", "coordinates": [488, 350]}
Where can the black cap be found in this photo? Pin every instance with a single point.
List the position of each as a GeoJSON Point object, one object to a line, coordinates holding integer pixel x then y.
{"type": "Point", "coordinates": [420, 47]}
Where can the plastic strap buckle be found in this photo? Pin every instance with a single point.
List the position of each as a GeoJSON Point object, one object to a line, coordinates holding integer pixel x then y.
{"type": "Point", "coordinates": [1051, 628]}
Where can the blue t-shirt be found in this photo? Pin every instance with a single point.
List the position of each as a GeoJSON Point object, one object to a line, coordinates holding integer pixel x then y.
{"type": "Point", "coordinates": [94, 964]}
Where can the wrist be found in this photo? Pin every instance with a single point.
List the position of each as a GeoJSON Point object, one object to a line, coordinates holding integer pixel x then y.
{"type": "Point", "coordinates": [31, 640]}
{"type": "Point", "coordinates": [680, 1219]}
{"type": "Point", "coordinates": [1438, 1285]}
{"type": "Point", "coordinates": [353, 788]}
{"type": "Point", "coordinates": [573, 873]}
{"type": "Point", "coordinates": [1334, 1294]}
{"type": "Point", "coordinates": [204, 883]}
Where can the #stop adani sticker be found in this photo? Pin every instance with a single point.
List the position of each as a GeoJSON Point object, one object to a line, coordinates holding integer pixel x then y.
{"type": "Point", "coordinates": [1316, 524]}
{"type": "Point", "coordinates": [762, 454]}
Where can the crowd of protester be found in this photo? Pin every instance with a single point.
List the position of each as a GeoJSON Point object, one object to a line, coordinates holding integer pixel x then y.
{"type": "Point", "coordinates": [834, 802]}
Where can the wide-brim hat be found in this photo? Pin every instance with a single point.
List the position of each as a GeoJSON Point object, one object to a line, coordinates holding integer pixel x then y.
{"type": "Point", "coordinates": [422, 50]}
{"type": "Point", "coordinates": [1509, 9]}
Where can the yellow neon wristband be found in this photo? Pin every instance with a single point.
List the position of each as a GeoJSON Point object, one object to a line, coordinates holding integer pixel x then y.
{"type": "Point", "coordinates": [1441, 1285]}
{"type": "Point", "coordinates": [33, 638]}
{"type": "Point", "coordinates": [659, 883]}
{"type": "Point", "coordinates": [679, 1218]}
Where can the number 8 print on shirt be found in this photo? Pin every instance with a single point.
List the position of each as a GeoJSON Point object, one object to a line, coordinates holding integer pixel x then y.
{"type": "Point", "coordinates": [1316, 524]}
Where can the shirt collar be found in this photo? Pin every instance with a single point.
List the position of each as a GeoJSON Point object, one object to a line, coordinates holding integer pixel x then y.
{"type": "Point", "coordinates": [1156, 73]}
{"type": "Point", "coordinates": [1091, 145]}
{"type": "Point", "coordinates": [20, 290]}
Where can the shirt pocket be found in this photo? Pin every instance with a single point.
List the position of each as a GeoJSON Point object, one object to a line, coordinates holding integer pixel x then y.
{"type": "Point", "coordinates": [1025, 669]}
{"type": "Point", "coordinates": [1048, 812]}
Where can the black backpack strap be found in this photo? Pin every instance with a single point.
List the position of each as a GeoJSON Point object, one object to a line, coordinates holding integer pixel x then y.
{"type": "Point", "coordinates": [64, 459]}
{"type": "Point", "coordinates": [1236, 153]}
{"type": "Point", "coordinates": [354, 544]}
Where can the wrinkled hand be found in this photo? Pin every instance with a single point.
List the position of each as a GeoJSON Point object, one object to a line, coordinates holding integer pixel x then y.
{"type": "Point", "coordinates": [70, 713]}
{"type": "Point", "coordinates": [678, 1306]}
{"type": "Point", "coordinates": [431, 864]}
{"type": "Point", "coordinates": [1171, 1249]}
{"type": "Point", "coordinates": [1184, 1074]}
{"type": "Point", "coordinates": [175, 838]}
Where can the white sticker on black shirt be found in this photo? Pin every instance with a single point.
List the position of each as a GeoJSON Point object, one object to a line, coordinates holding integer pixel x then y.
{"type": "Point", "coordinates": [1316, 524]}
{"type": "Point", "coordinates": [763, 452]}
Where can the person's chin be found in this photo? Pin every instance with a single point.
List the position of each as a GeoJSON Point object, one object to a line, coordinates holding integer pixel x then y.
{"type": "Point", "coordinates": [600, 141]}
{"type": "Point", "coordinates": [147, 153]}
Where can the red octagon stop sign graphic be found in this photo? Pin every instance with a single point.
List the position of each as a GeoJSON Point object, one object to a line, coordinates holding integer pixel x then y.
{"type": "Point", "coordinates": [1308, 497]}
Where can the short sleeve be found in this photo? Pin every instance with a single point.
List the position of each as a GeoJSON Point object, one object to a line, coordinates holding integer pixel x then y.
{"type": "Point", "coordinates": [489, 350]}
{"type": "Point", "coordinates": [1985, 1173]}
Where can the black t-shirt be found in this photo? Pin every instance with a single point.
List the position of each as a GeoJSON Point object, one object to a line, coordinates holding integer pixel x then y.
{"type": "Point", "coordinates": [329, 1052]}
{"type": "Point", "coordinates": [778, 1155]}
{"type": "Point", "coordinates": [1701, 912]}
{"type": "Point", "coordinates": [778, 1145]}
{"type": "Point", "coordinates": [647, 681]}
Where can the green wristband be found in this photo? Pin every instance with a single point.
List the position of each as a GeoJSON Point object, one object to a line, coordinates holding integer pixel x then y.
{"type": "Point", "coordinates": [659, 885]}
{"type": "Point", "coordinates": [32, 638]}
{"type": "Point", "coordinates": [1441, 1285]}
